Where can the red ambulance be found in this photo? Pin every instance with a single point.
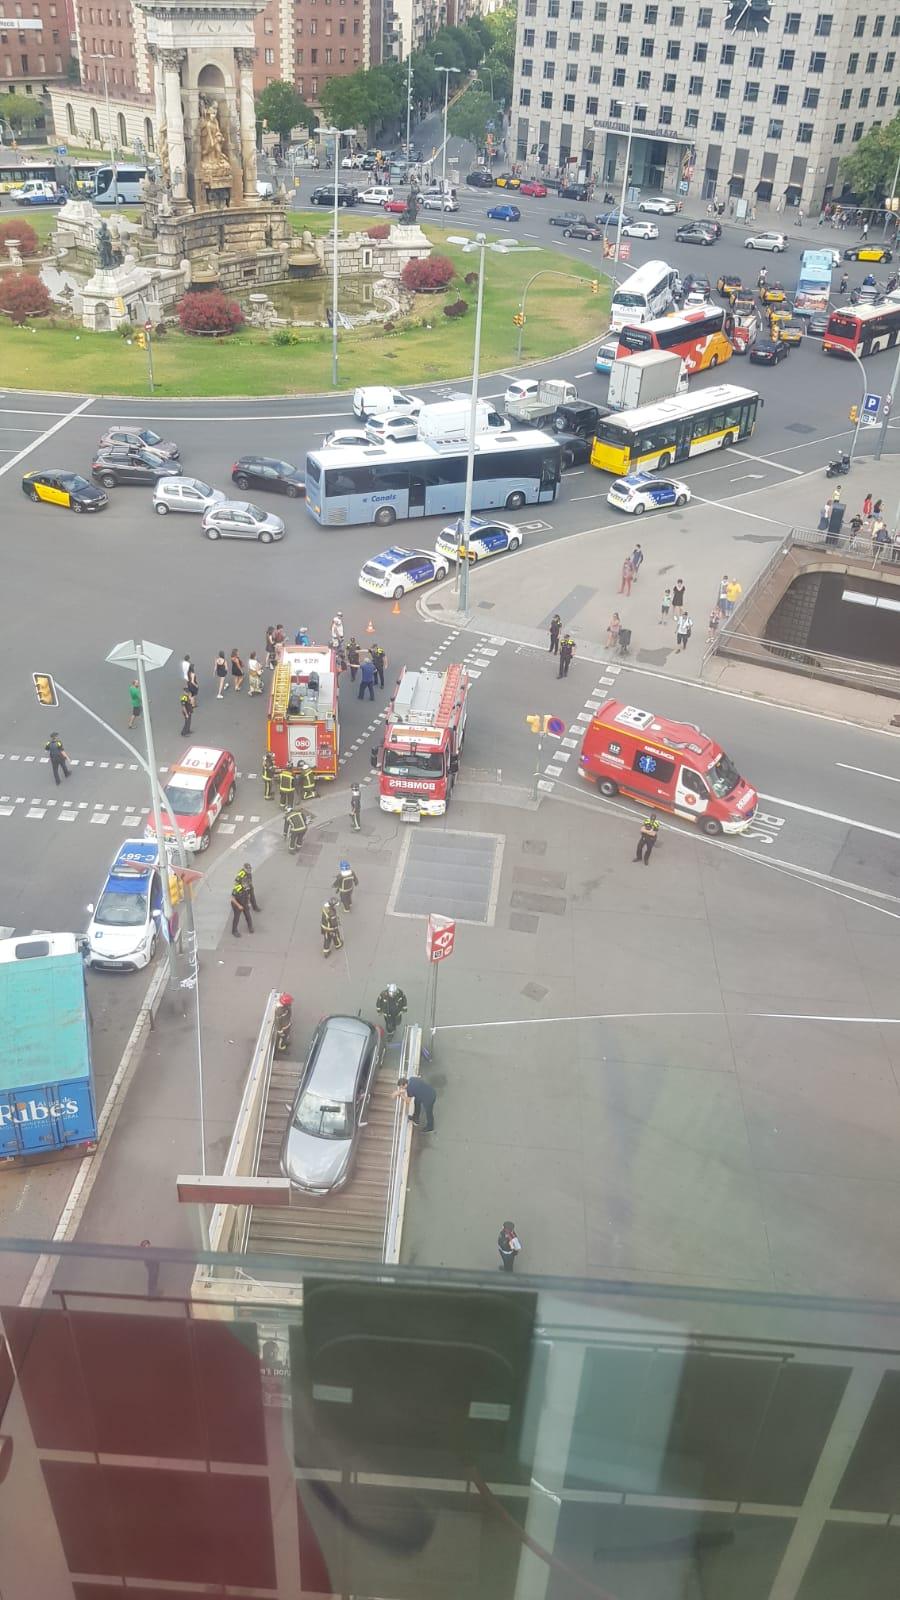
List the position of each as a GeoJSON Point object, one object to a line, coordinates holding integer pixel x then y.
{"type": "Point", "coordinates": [669, 766]}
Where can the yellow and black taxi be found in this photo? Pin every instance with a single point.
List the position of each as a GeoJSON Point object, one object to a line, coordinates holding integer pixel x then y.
{"type": "Point", "coordinates": [789, 332]}
{"type": "Point", "coordinates": [772, 294]}
{"type": "Point", "coordinates": [508, 180]}
{"type": "Point", "coordinates": [779, 314]}
{"type": "Point", "coordinates": [868, 252]}
{"type": "Point", "coordinates": [729, 284]}
{"type": "Point", "coordinates": [67, 489]}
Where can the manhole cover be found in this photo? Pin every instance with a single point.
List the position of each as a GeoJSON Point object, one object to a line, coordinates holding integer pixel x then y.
{"type": "Point", "coordinates": [452, 874]}
{"type": "Point", "coordinates": [799, 427]}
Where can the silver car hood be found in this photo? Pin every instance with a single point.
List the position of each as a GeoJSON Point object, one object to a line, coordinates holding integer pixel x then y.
{"type": "Point", "coordinates": [311, 1163]}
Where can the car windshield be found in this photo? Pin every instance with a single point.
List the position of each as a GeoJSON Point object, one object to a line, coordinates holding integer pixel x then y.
{"type": "Point", "coordinates": [255, 513]}
{"type": "Point", "coordinates": [198, 488]}
{"type": "Point", "coordinates": [624, 298]}
{"type": "Point", "coordinates": [723, 776]}
{"type": "Point", "coordinates": [284, 468]}
{"type": "Point", "coordinates": [119, 910]}
{"type": "Point", "coordinates": [185, 802]}
{"type": "Point", "coordinates": [323, 1117]}
{"type": "Point", "coordinates": [149, 437]}
{"type": "Point", "coordinates": [408, 763]}
{"type": "Point", "coordinates": [73, 480]}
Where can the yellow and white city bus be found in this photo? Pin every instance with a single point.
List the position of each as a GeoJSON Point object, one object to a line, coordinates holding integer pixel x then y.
{"type": "Point", "coordinates": [675, 429]}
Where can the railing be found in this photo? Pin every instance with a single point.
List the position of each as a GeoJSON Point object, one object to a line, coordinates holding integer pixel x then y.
{"type": "Point", "coordinates": [243, 1152]}
{"type": "Point", "coordinates": [401, 1146]}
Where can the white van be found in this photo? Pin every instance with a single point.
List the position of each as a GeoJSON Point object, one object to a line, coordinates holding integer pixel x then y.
{"type": "Point", "coordinates": [447, 422]}
{"type": "Point", "coordinates": [649, 292]}
{"type": "Point", "coordinates": [376, 400]}
{"type": "Point", "coordinates": [378, 196]}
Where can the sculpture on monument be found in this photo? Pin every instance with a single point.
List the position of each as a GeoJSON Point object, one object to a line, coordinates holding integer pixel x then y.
{"type": "Point", "coordinates": [215, 167]}
{"type": "Point", "coordinates": [105, 260]}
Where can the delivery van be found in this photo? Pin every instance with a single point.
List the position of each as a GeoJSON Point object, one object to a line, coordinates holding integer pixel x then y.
{"type": "Point", "coordinates": [670, 766]}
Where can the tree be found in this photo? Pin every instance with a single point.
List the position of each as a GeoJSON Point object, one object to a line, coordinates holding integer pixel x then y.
{"type": "Point", "coordinates": [469, 118]}
{"type": "Point", "coordinates": [869, 169]}
{"type": "Point", "coordinates": [22, 295]}
{"type": "Point", "coordinates": [21, 111]}
{"type": "Point", "coordinates": [207, 311]}
{"type": "Point", "coordinates": [365, 99]}
{"type": "Point", "coordinates": [501, 25]}
{"type": "Point", "coordinates": [496, 74]}
{"type": "Point", "coordinates": [20, 230]}
{"type": "Point", "coordinates": [283, 108]}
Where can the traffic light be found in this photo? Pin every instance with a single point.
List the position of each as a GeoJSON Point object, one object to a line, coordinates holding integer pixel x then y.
{"type": "Point", "coordinates": [854, 413]}
{"type": "Point", "coordinates": [140, 339]}
{"type": "Point", "coordinates": [519, 320]}
{"type": "Point", "coordinates": [595, 286]}
{"type": "Point", "coordinates": [45, 689]}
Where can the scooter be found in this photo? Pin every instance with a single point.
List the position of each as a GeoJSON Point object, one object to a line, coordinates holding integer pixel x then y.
{"type": "Point", "coordinates": [838, 467]}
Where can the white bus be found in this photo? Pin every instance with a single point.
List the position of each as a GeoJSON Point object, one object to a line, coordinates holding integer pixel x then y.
{"type": "Point", "coordinates": [119, 185]}
{"type": "Point", "coordinates": [418, 479]}
{"type": "Point", "coordinates": [649, 292]}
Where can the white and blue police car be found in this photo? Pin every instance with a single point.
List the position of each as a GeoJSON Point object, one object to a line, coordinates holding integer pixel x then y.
{"type": "Point", "coordinates": [485, 539]}
{"type": "Point", "coordinates": [396, 571]}
{"type": "Point", "coordinates": [127, 921]}
{"type": "Point", "coordinates": [643, 491]}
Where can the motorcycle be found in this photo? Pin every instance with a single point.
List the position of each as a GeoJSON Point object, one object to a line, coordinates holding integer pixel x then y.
{"type": "Point", "coordinates": [838, 467]}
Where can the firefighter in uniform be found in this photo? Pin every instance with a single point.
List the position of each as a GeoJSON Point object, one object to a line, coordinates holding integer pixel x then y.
{"type": "Point", "coordinates": [306, 783]}
{"type": "Point", "coordinates": [296, 823]}
{"type": "Point", "coordinates": [286, 787]}
{"type": "Point", "coordinates": [284, 1012]}
{"type": "Point", "coordinates": [344, 885]}
{"type": "Point", "coordinates": [331, 929]}
{"type": "Point", "coordinates": [391, 1003]}
{"type": "Point", "coordinates": [268, 775]}
{"type": "Point", "coordinates": [244, 877]}
{"type": "Point", "coordinates": [355, 807]}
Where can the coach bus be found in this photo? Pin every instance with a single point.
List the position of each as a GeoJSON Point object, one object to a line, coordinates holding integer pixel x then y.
{"type": "Point", "coordinates": [862, 330]}
{"type": "Point", "coordinates": [672, 430]}
{"type": "Point", "coordinates": [119, 185]}
{"type": "Point", "coordinates": [647, 293]}
{"type": "Point", "coordinates": [701, 337]}
{"type": "Point", "coordinates": [385, 482]}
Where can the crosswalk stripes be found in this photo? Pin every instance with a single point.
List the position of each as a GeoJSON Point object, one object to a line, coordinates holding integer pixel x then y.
{"type": "Point", "coordinates": [562, 753]}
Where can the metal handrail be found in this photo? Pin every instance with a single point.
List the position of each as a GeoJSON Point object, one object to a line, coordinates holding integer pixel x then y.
{"type": "Point", "coordinates": [401, 1146]}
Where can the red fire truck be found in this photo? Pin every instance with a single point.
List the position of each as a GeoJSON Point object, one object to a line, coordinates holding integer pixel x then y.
{"type": "Point", "coordinates": [303, 710]}
{"type": "Point", "coordinates": [423, 736]}
{"type": "Point", "coordinates": [671, 766]}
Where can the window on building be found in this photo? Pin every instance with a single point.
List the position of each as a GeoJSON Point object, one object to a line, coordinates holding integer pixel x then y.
{"type": "Point", "coordinates": [342, 57]}
{"type": "Point", "coordinates": [745, 126]}
{"type": "Point", "coordinates": [574, 41]}
{"type": "Point", "coordinates": [576, 11]}
{"type": "Point", "coordinates": [817, 61]}
{"type": "Point", "coordinates": [552, 8]}
{"type": "Point", "coordinates": [531, 8]}
{"type": "Point", "coordinates": [871, 60]}
{"type": "Point", "coordinates": [625, 13]}
{"type": "Point", "coordinates": [859, 27]}
{"type": "Point", "coordinates": [878, 26]}
{"type": "Point", "coordinates": [643, 80]}
{"type": "Point", "coordinates": [615, 110]}
{"type": "Point", "coordinates": [776, 128]}
{"type": "Point", "coordinates": [723, 88]}
{"type": "Point", "coordinates": [717, 122]}
{"type": "Point", "coordinates": [695, 85]}
{"type": "Point", "coordinates": [550, 39]}
{"type": "Point", "coordinates": [786, 60]}
{"type": "Point", "coordinates": [756, 58]}
{"type": "Point", "coordinates": [852, 62]}
{"type": "Point", "coordinates": [665, 116]}
{"type": "Point", "coordinates": [840, 128]}
{"type": "Point", "coordinates": [328, 57]}
{"type": "Point", "coordinates": [524, 97]}
{"type": "Point", "coordinates": [895, 28]}
{"type": "Point", "coordinates": [823, 24]}
{"type": "Point", "coordinates": [669, 82]}
{"type": "Point", "coordinates": [751, 90]}
{"type": "Point", "coordinates": [676, 16]}
{"type": "Point", "coordinates": [857, 132]}
{"type": "Point", "coordinates": [568, 102]}
{"type": "Point", "coordinates": [618, 78]}
{"type": "Point", "coordinates": [881, 97]}
{"type": "Point", "coordinates": [651, 15]}
{"type": "Point", "coordinates": [810, 99]}
{"type": "Point", "coordinates": [889, 60]}
{"type": "Point", "coordinates": [727, 56]}
{"type": "Point", "coordinates": [864, 97]}
{"type": "Point", "coordinates": [646, 48]}
{"type": "Point", "coordinates": [673, 50]}
{"type": "Point", "coordinates": [621, 45]}
{"type": "Point", "coordinates": [692, 117]}
{"type": "Point", "coordinates": [571, 72]}
{"type": "Point", "coordinates": [592, 106]}
{"type": "Point", "coordinates": [314, 58]}
{"type": "Point", "coordinates": [701, 49]}
{"type": "Point", "coordinates": [704, 17]}
{"type": "Point", "coordinates": [546, 100]}
{"type": "Point", "coordinates": [804, 132]}
{"type": "Point", "coordinates": [549, 69]}
{"type": "Point", "coordinates": [600, 11]}
{"type": "Point", "coordinates": [780, 94]}
{"type": "Point", "coordinates": [528, 39]}
{"type": "Point", "coordinates": [792, 22]}
{"type": "Point", "coordinates": [846, 96]}
{"type": "Point", "coordinates": [597, 44]}
{"type": "Point", "coordinates": [594, 75]}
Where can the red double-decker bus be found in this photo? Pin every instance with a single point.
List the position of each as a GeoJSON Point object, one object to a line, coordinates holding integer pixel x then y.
{"type": "Point", "coordinates": [862, 330]}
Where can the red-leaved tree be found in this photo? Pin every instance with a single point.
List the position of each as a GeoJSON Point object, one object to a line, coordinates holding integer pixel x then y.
{"type": "Point", "coordinates": [433, 273]}
{"type": "Point", "coordinates": [20, 230]}
{"type": "Point", "coordinates": [22, 295]}
{"type": "Point", "coordinates": [209, 312]}
{"type": "Point", "coordinates": [380, 231]}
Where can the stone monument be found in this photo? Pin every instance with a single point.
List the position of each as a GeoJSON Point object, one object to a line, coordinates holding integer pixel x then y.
{"type": "Point", "coordinates": [206, 208]}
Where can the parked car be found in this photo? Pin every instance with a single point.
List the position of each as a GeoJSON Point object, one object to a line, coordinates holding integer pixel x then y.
{"type": "Point", "coordinates": [140, 439]}
{"type": "Point", "coordinates": [324, 195]}
{"type": "Point", "coordinates": [768, 352]}
{"type": "Point", "coordinates": [201, 784]}
{"type": "Point", "coordinates": [265, 189]}
{"type": "Point", "coordinates": [238, 519]}
{"type": "Point", "coordinates": [537, 191]}
{"type": "Point", "coordinates": [659, 204]}
{"type": "Point", "coordinates": [692, 233]}
{"type": "Point", "coordinates": [766, 241]}
{"type": "Point", "coordinates": [582, 230]}
{"type": "Point", "coordinates": [868, 252]}
{"type": "Point", "coordinates": [507, 180]}
{"type": "Point", "coordinates": [640, 230]}
{"type": "Point", "coordinates": [125, 923]}
{"type": "Point", "coordinates": [267, 472]}
{"type": "Point", "coordinates": [118, 463]}
{"type": "Point", "coordinates": [504, 213]}
{"type": "Point", "coordinates": [394, 572]}
{"type": "Point", "coordinates": [185, 494]}
{"type": "Point", "coordinates": [480, 179]}
{"type": "Point", "coordinates": [566, 219]}
{"type": "Point", "coordinates": [329, 1109]}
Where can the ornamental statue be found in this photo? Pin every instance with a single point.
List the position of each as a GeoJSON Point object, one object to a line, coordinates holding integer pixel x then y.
{"type": "Point", "coordinates": [215, 167]}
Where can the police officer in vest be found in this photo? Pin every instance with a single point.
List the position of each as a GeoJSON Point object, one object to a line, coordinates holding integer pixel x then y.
{"type": "Point", "coordinates": [647, 838]}
{"type": "Point", "coordinates": [244, 877]}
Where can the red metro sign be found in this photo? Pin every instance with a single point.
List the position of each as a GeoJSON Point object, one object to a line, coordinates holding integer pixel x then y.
{"type": "Point", "coordinates": [439, 938]}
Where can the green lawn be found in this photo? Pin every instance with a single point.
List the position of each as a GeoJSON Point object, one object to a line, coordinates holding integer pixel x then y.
{"type": "Point", "coordinates": [562, 311]}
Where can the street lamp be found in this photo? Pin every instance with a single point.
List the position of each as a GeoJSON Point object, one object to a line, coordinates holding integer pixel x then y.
{"type": "Point", "coordinates": [468, 244]}
{"type": "Point", "coordinates": [636, 107]}
{"type": "Point", "coordinates": [337, 134]}
{"type": "Point", "coordinates": [447, 72]}
{"type": "Point", "coordinates": [109, 132]}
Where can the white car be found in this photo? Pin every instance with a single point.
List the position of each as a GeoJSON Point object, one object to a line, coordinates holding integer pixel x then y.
{"type": "Point", "coordinates": [352, 162]}
{"type": "Point", "coordinates": [432, 202]}
{"type": "Point", "coordinates": [355, 438]}
{"type": "Point", "coordinates": [485, 539]}
{"type": "Point", "coordinates": [126, 921]}
{"type": "Point", "coordinates": [185, 494]}
{"type": "Point", "coordinates": [766, 241]}
{"type": "Point", "coordinates": [644, 491]}
{"type": "Point", "coordinates": [521, 389]}
{"type": "Point", "coordinates": [661, 206]}
{"type": "Point", "coordinates": [640, 230]}
{"type": "Point", "coordinates": [376, 401]}
{"type": "Point", "coordinates": [392, 427]}
{"type": "Point", "coordinates": [265, 189]}
{"type": "Point", "coordinates": [697, 297]}
{"type": "Point", "coordinates": [376, 197]}
{"type": "Point", "coordinates": [394, 572]}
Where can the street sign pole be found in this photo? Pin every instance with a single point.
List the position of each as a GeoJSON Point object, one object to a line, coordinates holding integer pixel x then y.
{"type": "Point", "coordinates": [886, 407]}
{"type": "Point", "coordinates": [148, 329]}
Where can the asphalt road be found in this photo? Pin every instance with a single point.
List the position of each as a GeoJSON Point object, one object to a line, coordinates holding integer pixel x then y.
{"type": "Point", "coordinates": [81, 585]}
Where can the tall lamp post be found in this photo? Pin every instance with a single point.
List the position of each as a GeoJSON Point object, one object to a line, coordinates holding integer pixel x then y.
{"type": "Point", "coordinates": [109, 132]}
{"type": "Point", "coordinates": [637, 106]}
{"type": "Point", "coordinates": [447, 71]}
{"type": "Point", "coordinates": [409, 89]}
{"type": "Point", "coordinates": [469, 244]}
{"type": "Point", "coordinates": [337, 134]}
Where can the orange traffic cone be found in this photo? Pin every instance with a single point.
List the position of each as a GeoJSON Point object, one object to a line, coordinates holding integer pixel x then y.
{"type": "Point", "coordinates": [395, 609]}
{"type": "Point", "coordinates": [370, 626]}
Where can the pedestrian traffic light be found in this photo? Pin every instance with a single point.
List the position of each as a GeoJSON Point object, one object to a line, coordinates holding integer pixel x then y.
{"type": "Point", "coordinates": [45, 689]}
{"type": "Point", "coordinates": [140, 339]}
{"type": "Point", "coordinates": [595, 286]}
{"type": "Point", "coordinates": [854, 413]}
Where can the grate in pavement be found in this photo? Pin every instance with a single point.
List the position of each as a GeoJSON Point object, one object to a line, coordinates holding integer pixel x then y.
{"type": "Point", "coordinates": [519, 923]}
{"type": "Point", "coordinates": [452, 874]}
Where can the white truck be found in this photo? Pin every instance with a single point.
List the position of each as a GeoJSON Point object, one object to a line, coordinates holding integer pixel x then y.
{"type": "Point", "coordinates": [37, 192]}
{"type": "Point", "coordinates": [540, 409]}
{"type": "Point", "coordinates": [644, 378]}
{"type": "Point", "coordinates": [447, 421]}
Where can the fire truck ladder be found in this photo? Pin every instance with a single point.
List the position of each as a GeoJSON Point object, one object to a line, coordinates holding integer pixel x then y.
{"type": "Point", "coordinates": [449, 696]}
{"type": "Point", "coordinates": [281, 690]}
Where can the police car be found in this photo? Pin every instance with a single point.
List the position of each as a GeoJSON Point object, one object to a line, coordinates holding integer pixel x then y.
{"type": "Point", "coordinates": [396, 571]}
{"type": "Point", "coordinates": [642, 491]}
{"type": "Point", "coordinates": [201, 783]}
{"type": "Point", "coordinates": [485, 539]}
{"type": "Point", "coordinates": [128, 918]}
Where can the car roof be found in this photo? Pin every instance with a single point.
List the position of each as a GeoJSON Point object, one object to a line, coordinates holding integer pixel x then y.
{"type": "Point", "coordinates": [337, 1049]}
{"type": "Point", "coordinates": [136, 861]}
{"type": "Point", "coordinates": [237, 505]}
{"type": "Point", "coordinates": [199, 761]}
